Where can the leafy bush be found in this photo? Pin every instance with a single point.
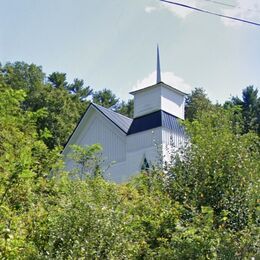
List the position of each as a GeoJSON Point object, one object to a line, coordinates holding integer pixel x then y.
{"type": "Point", "coordinates": [203, 207]}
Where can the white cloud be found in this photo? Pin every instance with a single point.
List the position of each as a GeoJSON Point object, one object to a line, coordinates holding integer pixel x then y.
{"type": "Point", "coordinates": [167, 77]}
{"type": "Point", "coordinates": [248, 10]}
{"type": "Point", "coordinates": [180, 11]}
{"type": "Point", "coordinates": [149, 9]}
{"type": "Point", "coordinates": [174, 9]}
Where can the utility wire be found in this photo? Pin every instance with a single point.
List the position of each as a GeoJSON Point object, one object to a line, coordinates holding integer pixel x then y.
{"type": "Point", "coordinates": [212, 13]}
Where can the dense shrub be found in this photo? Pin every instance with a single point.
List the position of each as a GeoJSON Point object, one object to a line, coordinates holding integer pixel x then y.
{"type": "Point", "coordinates": [203, 207]}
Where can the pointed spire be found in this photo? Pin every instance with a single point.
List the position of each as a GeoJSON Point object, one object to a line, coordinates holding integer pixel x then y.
{"type": "Point", "coordinates": [158, 78]}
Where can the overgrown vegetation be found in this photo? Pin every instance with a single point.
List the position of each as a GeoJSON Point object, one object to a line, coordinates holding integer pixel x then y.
{"type": "Point", "coordinates": [204, 206]}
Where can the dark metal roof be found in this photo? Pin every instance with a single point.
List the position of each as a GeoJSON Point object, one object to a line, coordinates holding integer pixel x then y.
{"type": "Point", "coordinates": [156, 119]}
{"type": "Point", "coordinates": [172, 122]}
{"type": "Point", "coordinates": [131, 126]}
{"type": "Point", "coordinates": [146, 122]}
{"type": "Point", "coordinates": [119, 120]}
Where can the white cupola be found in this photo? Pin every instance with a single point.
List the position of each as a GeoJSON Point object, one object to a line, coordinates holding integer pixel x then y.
{"type": "Point", "coordinates": [159, 97]}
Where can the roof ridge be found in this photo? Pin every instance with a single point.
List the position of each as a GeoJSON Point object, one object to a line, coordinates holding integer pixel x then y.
{"type": "Point", "coordinates": [119, 120]}
{"type": "Point", "coordinates": [110, 110]}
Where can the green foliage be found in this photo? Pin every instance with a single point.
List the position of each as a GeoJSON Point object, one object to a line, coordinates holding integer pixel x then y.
{"type": "Point", "coordinates": [88, 160]}
{"type": "Point", "coordinates": [105, 98]}
{"type": "Point", "coordinates": [88, 223]}
{"type": "Point", "coordinates": [24, 164]}
{"type": "Point", "coordinates": [220, 169]}
{"type": "Point", "coordinates": [58, 80]}
{"type": "Point", "coordinates": [62, 112]}
{"type": "Point", "coordinates": [78, 89]}
{"type": "Point", "coordinates": [250, 109]}
{"type": "Point", "coordinates": [62, 102]}
{"type": "Point", "coordinates": [196, 103]}
{"type": "Point", "coordinates": [203, 207]}
{"type": "Point", "coordinates": [20, 75]}
{"type": "Point", "coordinates": [126, 108]}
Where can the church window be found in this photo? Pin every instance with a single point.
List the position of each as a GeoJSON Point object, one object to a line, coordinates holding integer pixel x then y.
{"type": "Point", "coordinates": [145, 165]}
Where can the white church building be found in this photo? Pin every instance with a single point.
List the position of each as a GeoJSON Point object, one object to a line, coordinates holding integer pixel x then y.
{"type": "Point", "coordinates": [130, 144]}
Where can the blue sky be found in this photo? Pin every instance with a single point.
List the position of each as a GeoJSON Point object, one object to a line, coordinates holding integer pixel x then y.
{"type": "Point", "coordinates": [112, 43]}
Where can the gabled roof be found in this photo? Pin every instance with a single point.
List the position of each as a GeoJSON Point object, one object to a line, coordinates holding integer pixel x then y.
{"type": "Point", "coordinates": [156, 119]}
{"type": "Point", "coordinates": [123, 122]}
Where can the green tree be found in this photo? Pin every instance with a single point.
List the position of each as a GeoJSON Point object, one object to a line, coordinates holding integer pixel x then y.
{"type": "Point", "coordinates": [58, 80]}
{"type": "Point", "coordinates": [78, 89]}
{"type": "Point", "coordinates": [219, 169]}
{"type": "Point", "coordinates": [88, 160]}
{"type": "Point", "coordinates": [105, 98]}
{"type": "Point", "coordinates": [63, 103]}
{"type": "Point", "coordinates": [249, 104]}
{"type": "Point", "coordinates": [62, 112]}
{"type": "Point", "coordinates": [25, 162]}
{"type": "Point", "coordinates": [196, 103]}
{"type": "Point", "coordinates": [126, 108]}
{"type": "Point", "coordinates": [20, 75]}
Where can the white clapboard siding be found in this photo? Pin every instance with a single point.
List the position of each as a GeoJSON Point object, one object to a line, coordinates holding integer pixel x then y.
{"type": "Point", "coordinates": [146, 102]}
{"type": "Point", "coordinates": [172, 102]}
{"type": "Point", "coordinates": [159, 97]}
{"type": "Point", "coordinates": [170, 137]}
{"type": "Point", "coordinates": [144, 139]}
{"type": "Point", "coordinates": [101, 131]}
{"type": "Point", "coordinates": [96, 128]}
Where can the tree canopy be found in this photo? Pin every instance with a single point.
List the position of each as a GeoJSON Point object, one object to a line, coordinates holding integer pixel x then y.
{"type": "Point", "coordinates": [250, 109]}
{"type": "Point", "coordinates": [62, 102]}
{"type": "Point", "coordinates": [196, 103]}
{"type": "Point", "coordinates": [105, 98]}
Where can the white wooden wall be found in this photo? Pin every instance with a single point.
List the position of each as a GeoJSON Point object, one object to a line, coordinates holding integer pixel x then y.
{"type": "Point", "coordinates": [146, 102]}
{"type": "Point", "coordinates": [144, 144]}
{"type": "Point", "coordinates": [159, 97]}
{"type": "Point", "coordinates": [96, 128]}
{"type": "Point", "coordinates": [101, 131]}
{"type": "Point", "coordinates": [172, 102]}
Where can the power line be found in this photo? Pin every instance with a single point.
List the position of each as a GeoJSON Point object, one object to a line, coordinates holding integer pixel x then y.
{"type": "Point", "coordinates": [212, 13]}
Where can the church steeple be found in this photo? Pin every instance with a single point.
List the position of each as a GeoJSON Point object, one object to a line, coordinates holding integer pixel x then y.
{"type": "Point", "coordinates": [158, 78]}
{"type": "Point", "coordinates": [158, 97]}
